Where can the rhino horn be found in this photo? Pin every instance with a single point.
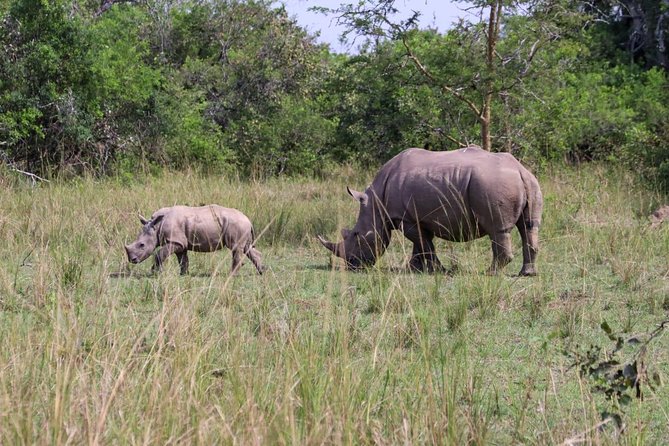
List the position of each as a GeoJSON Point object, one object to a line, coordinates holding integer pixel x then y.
{"type": "Point", "coordinates": [329, 245]}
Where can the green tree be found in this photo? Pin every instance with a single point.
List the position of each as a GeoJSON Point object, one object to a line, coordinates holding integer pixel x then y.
{"type": "Point", "coordinates": [44, 75]}
{"type": "Point", "coordinates": [485, 72]}
{"type": "Point", "coordinates": [126, 84]}
{"type": "Point", "coordinates": [206, 84]}
{"type": "Point", "coordinates": [260, 74]}
{"type": "Point", "coordinates": [381, 107]}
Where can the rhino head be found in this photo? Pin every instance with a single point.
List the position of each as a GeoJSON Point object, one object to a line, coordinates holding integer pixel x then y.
{"type": "Point", "coordinates": [146, 242]}
{"type": "Point", "coordinates": [370, 236]}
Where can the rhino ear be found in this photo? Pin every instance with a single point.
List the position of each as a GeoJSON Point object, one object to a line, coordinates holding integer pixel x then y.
{"type": "Point", "coordinates": [142, 219]}
{"type": "Point", "coordinates": [359, 196]}
{"type": "Point", "coordinates": [157, 219]}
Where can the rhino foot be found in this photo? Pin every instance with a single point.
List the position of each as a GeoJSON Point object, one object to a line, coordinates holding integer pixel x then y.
{"type": "Point", "coordinates": [420, 265]}
{"type": "Point", "coordinates": [527, 271]}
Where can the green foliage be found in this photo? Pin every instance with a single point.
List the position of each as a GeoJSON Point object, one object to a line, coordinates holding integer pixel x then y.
{"type": "Point", "coordinates": [646, 147]}
{"type": "Point", "coordinates": [123, 79]}
{"type": "Point", "coordinates": [586, 117]}
{"type": "Point", "coordinates": [595, 110]}
{"type": "Point", "coordinates": [207, 85]}
{"type": "Point", "coordinates": [238, 85]}
{"type": "Point", "coordinates": [185, 136]}
{"type": "Point", "coordinates": [261, 83]}
{"type": "Point", "coordinates": [613, 375]}
{"type": "Point", "coordinates": [383, 106]}
{"type": "Point", "coordinates": [294, 139]}
{"type": "Point", "coordinates": [44, 67]}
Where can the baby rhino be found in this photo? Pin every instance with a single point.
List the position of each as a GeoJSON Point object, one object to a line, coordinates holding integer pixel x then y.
{"type": "Point", "coordinates": [178, 229]}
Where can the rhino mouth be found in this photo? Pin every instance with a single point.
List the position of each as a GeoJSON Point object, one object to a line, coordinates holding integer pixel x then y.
{"type": "Point", "coordinates": [353, 262]}
{"type": "Point", "coordinates": [132, 258]}
{"type": "Point", "coordinates": [357, 263]}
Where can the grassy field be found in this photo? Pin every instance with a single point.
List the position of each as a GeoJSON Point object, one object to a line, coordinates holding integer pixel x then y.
{"type": "Point", "coordinates": [95, 351]}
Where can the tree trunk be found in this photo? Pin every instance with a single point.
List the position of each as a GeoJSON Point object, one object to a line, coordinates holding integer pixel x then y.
{"type": "Point", "coordinates": [493, 32]}
{"type": "Point", "coordinates": [486, 140]}
{"type": "Point", "coordinates": [660, 35]}
{"type": "Point", "coordinates": [647, 39]}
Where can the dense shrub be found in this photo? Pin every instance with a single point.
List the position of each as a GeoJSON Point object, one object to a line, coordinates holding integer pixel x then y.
{"type": "Point", "coordinates": [237, 85]}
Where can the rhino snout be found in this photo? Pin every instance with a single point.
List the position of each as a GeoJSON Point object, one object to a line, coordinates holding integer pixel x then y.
{"type": "Point", "coordinates": [132, 258]}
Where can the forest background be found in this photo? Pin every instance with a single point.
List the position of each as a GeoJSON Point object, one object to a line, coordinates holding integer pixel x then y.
{"type": "Point", "coordinates": [127, 87]}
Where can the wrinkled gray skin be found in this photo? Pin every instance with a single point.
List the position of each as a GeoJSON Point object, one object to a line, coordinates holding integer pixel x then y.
{"type": "Point", "coordinates": [180, 229]}
{"type": "Point", "coordinates": [459, 196]}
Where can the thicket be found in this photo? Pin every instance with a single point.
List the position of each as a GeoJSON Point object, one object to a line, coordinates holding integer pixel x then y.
{"type": "Point", "coordinates": [238, 86]}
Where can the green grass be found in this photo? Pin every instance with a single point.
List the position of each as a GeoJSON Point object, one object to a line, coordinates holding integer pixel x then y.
{"type": "Point", "coordinates": [93, 350]}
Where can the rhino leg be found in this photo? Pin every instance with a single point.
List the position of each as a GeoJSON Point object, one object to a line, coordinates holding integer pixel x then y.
{"type": "Point", "coordinates": [530, 238]}
{"type": "Point", "coordinates": [423, 257]}
{"type": "Point", "coordinates": [182, 256]}
{"type": "Point", "coordinates": [255, 257]}
{"type": "Point", "coordinates": [162, 255]}
{"type": "Point", "coordinates": [236, 260]}
{"type": "Point", "coordinates": [502, 252]}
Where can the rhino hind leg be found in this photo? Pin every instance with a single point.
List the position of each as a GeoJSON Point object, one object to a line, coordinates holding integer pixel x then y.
{"type": "Point", "coordinates": [236, 260]}
{"type": "Point", "coordinates": [502, 252]}
{"type": "Point", "coordinates": [530, 237]}
{"type": "Point", "coordinates": [255, 257]}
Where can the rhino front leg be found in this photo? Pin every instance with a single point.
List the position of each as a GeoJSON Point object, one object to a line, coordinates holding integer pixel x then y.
{"type": "Point", "coordinates": [530, 238]}
{"type": "Point", "coordinates": [162, 255]}
{"type": "Point", "coordinates": [423, 257]}
{"type": "Point", "coordinates": [502, 252]}
{"type": "Point", "coordinates": [183, 261]}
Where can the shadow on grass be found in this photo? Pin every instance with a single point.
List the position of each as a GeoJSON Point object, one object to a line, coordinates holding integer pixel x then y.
{"type": "Point", "coordinates": [318, 267]}
{"type": "Point", "coordinates": [406, 270]}
{"type": "Point", "coordinates": [131, 274]}
{"type": "Point", "coordinates": [151, 274]}
{"type": "Point", "coordinates": [384, 269]}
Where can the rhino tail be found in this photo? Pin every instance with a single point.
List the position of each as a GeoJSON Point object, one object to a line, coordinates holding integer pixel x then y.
{"type": "Point", "coordinates": [534, 202]}
{"type": "Point", "coordinates": [252, 242]}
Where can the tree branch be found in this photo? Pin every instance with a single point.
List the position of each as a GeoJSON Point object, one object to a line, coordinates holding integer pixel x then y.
{"type": "Point", "coordinates": [12, 166]}
{"type": "Point", "coordinates": [431, 77]}
{"type": "Point", "coordinates": [107, 4]}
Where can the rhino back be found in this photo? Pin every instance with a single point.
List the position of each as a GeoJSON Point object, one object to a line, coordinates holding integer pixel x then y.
{"type": "Point", "coordinates": [457, 195]}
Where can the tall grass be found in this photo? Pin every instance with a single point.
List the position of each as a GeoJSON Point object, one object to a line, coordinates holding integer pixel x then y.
{"type": "Point", "coordinates": [95, 351]}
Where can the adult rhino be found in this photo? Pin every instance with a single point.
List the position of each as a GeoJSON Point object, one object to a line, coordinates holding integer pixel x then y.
{"type": "Point", "coordinates": [458, 195]}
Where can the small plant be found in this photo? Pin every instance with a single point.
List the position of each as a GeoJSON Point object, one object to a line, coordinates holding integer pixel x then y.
{"type": "Point", "coordinates": [617, 377]}
{"type": "Point", "coordinates": [456, 314]}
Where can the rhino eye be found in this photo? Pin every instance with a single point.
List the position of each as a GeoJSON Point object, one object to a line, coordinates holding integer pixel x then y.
{"type": "Point", "coordinates": [141, 245]}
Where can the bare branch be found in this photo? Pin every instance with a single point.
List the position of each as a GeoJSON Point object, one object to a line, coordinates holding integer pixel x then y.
{"type": "Point", "coordinates": [459, 143]}
{"type": "Point", "coordinates": [12, 166]}
{"type": "Point", "coordinates": [430, 76]}
{"type": "Point", "coordinates": [107, 4]}
{"type": "Point", "coordinates": [30, 175]}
